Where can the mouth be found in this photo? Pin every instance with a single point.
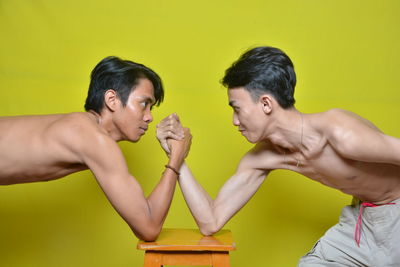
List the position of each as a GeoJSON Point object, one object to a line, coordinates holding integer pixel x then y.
{"type": "Point", "coordinates": [144, 129]}
{"type": "Point", "coordinates": [242, 132]}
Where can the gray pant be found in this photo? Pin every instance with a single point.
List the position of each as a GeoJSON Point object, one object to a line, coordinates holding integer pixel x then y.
{"type": "Point", "coordinates": [380, 239]}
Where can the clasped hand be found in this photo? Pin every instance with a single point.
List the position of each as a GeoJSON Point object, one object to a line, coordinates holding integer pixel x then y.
{"type": "Point", "coordinates": [173, 136]}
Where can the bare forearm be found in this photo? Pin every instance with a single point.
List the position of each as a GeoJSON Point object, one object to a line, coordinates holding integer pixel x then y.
{"type": "Point", "coordinates": [211, 215]}
{"type": "Point", "coordinates": [160, 198]}
{"type": "Point", "coordinates": [159, 201]}
{"type": "Point", "coordinates": [200, 203]}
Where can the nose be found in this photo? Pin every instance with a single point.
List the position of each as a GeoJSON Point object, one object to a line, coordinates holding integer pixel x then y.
{"type": "Point", "coordinates": [235, 120]}
{"type": "Point", "coordinates": [147, 116]}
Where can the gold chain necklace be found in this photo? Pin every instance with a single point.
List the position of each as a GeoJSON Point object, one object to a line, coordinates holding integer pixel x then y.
{"type": "Point", "coordinates": [298, 163]}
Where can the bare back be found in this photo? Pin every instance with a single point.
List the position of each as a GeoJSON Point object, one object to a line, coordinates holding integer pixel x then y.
{"type": "Point", "coordinates": [342, 151]}
{"type": "Point", "coordinates": [42, 147]}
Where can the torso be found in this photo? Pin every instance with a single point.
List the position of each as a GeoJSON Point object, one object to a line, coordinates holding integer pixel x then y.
{"type": "Point", "coordinates": [373, 182]}
{"type": "Point", "coordinates": [40, 148]}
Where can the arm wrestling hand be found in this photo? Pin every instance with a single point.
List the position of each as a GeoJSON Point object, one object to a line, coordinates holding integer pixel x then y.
{"type": "Point", "coordinates": [180, 148]}
{"type": "Point", "coordinates": [169, 127]}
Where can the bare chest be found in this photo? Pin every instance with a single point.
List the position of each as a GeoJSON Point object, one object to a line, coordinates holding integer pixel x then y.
{"type": "Point", "coordinates": [362, 179]}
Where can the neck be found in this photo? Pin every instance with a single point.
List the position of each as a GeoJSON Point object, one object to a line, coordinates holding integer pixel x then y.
{"type": "Point", "coordinates": [104, 121]}
{"type": "Point", "coordinates": [97, 116]}
{"type": "Point", "coordinates": [287, 131]}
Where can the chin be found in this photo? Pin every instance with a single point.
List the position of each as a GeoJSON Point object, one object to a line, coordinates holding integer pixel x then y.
{"type": "Point", "coordinates": [253, 139]}
{"type": "Point", "coordinates": [135, 139]}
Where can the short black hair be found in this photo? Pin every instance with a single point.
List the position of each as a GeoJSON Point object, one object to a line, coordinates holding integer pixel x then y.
{"type": "Point", "coordinates": [264, 70]}
{"type": "Point", "coordinates": [121, 76]}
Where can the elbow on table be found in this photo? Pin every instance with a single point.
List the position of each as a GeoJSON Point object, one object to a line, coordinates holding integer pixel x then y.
{"type": "Point", "coordinates": [208, 230]}
{"type": "Point", "coordinates": [149, 234]}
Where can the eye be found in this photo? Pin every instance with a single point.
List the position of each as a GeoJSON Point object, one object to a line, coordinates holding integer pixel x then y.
{"type": "Point", "coordinates": [144, 104]}
{"type": "Point", "coordinates": [147, 104]}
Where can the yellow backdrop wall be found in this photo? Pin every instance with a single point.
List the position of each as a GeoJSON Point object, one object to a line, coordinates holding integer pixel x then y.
{"type": "Point", "coordinates": [346, 54]}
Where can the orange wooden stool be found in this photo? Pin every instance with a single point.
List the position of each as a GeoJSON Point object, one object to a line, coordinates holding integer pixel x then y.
{"type": "Point", "coordinates": [188, 247]}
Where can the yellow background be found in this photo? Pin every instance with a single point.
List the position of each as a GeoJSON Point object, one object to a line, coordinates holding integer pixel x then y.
{"type": "Point", "coordinates": [346, 55]}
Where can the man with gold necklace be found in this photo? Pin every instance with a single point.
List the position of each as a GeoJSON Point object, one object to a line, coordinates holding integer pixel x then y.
{"type": "Point", "coordinates": [366, 163]}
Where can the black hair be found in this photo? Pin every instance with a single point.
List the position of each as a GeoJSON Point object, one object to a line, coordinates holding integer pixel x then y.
{"type": "Point", "coordinates": [264, 70]}
{"type": "Point", "coordinates": [121, 76]}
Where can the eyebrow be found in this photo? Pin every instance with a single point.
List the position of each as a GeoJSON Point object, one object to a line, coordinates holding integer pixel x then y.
{"type": "Point", "coordinates": [148, 98]}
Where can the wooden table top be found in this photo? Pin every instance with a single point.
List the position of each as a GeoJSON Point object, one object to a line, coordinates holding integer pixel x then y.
{"type": "Point", "coordinates": [189, 240]}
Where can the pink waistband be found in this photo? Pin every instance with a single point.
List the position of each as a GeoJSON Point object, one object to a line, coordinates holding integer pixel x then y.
{"type": "Point", "coordinates": [357, 234]}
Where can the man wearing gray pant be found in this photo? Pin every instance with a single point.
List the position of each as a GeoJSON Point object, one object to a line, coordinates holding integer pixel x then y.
{"type": "Point", "coordinates": [336, 148]}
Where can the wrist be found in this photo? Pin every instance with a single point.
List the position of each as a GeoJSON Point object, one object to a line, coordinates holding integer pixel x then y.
{"type": "Point", "coordinates": [175, 160]}
{"type": "Point", "coordinates": [176, 171]}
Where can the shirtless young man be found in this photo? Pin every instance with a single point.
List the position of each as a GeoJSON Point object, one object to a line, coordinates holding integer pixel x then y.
{"type": "Point", "coordinates": [119, 102]}
{"type": "Point", "coordinates": [337, 148]}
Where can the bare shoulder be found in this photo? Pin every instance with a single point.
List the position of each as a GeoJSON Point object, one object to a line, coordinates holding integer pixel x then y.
{"type": "Point", "coordinates": [75, 127]}
{"type": "Point", "coordinates": [77, 119]}
{"type": "Point", "coordinates": [82, 135]}
{"type": "Point", "coordinates": [348, 117]}
{"type": "Point", "coordinates": [338, 121]}
{"type": "Point", "coordinates": [263, 156]}
{"type": "Point", "coordinates": [343, 126]}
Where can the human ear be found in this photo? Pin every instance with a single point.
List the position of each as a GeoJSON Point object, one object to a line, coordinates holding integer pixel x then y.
{"type": "Point", "coordinates": [266, 102]}
{"type": "Point", "coordinates": [111, 99]}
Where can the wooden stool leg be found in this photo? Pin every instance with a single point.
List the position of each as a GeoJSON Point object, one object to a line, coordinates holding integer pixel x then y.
{"type": "Point", "coordinates": [220, 259]}
{"type": "Point", "coordinates": [152, 259]}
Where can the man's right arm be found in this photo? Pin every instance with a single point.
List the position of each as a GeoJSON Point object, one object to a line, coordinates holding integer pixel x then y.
{"type": "Point", "coordinates": [145, 216]}
{"type": "Point", "coordinates": [212, 214]}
